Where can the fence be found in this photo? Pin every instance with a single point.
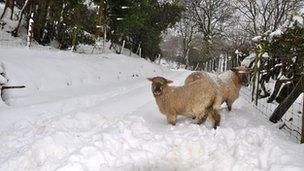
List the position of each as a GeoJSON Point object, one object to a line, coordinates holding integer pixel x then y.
{"type": "Point", "coordinates": [291, 122]}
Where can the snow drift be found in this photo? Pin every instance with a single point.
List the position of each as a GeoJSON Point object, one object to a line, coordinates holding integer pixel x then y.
{"type": "Point", "coordinates": [97, 112]}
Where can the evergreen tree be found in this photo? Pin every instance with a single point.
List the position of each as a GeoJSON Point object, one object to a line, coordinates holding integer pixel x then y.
{"type": "Point", "coordinates": [138, 22]}
{"type": "Point", "coordinates": [142, 22]}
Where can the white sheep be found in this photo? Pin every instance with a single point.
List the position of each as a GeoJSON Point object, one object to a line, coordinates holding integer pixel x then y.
{"type": "Point", "coordinates": [197, 99]}
{"type": "Point", "coordinates": [228, 83]}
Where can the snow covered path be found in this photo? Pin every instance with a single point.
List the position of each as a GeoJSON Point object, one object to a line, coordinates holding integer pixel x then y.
{"type": "Point", "coordinates": [117, 126]}
{"type": "Point", "coordinates": [125, 131]}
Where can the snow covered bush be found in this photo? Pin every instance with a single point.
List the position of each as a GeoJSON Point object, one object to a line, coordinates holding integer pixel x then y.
{"type": "Point", "coordinates": [279, 56]}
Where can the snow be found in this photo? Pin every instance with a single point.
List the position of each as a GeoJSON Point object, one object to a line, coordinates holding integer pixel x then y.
{"type": "Point", "coordinates": [3, 80]}
{"type": "Point", "coordinates": [247, 60]}
{"type": "Point", "coordinates": [90, 5]}
{"type": "Point", "coordinates": [265, 55]}
{"type": "Point", "coordinates": [257, 39]}
{"type": "Point", "coordinates": [299, 19]}
{"type": "Point", "coordinates": [277, 33]}
{"type": "Point", "coordinates": [97, 112]}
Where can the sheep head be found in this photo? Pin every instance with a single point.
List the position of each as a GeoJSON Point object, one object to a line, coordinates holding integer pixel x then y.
{"type": "Point", "coordinates": [243, 74]}
{"type": "Point", "coordinates": [158, 84]}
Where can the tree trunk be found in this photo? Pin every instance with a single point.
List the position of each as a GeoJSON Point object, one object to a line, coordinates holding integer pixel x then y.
{"type": "Point", "coordinates": [40, 20]}
{"type": "Point", "coordinates": [30, 30]}
{"type": "Point", "coordinates": [12, 6]}
{"type": "Point", "coordinates": [101, 19]}
{"type": "Point", "coordinates": [16, 30]}
{"type": "Point", "coordinates": [288, 101]}
{"type": "Point", "coordinates": [7, 2]}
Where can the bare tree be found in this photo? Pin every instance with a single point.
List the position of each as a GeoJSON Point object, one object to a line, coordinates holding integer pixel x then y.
{"type": "Point", "coordinates": [25, 5]}
{"type": "Point", "coordinates": [8, 4]}
{"type": "Point", "coordinates": [259, 16]}
{"type": "Point", "coordinates": [212, 18]}
{"type": "Point", "coordinates": [186, 29]}
{"type": "Point", "coordinates": [101, 23]}
{"type": "Point", "coordinates": [101, 18]}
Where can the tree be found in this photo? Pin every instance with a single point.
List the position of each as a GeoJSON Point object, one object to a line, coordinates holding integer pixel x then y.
{"type": "Point", "coordinates": [187, 28]}
{"type": "Point", "coordinates": [8, 4]}
{"type": "Point", "coordinates": [260, 16]}
{"type": "Point", "coordinates": [141, 23]}
{"type": "Point", "coordinates": [212, 18]}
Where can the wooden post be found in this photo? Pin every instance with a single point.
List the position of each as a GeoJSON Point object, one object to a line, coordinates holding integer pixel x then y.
{"type": "Point", "coordinates": [302, 133]}
{"type": "Point", "coordinates": [104, 39]}
{"type": "Point", "coordinates": [11, 87]}
{"type": "Point", "coordinates": [257, 82]}
{"type": "Point", "coordinates": [123, 46]}
{"type": "Point", "coordinates": [287, 102]}
{"type": "Point", "coordinates": [74, 40]}
{"type": "Point", "coordinates": [255, 76]}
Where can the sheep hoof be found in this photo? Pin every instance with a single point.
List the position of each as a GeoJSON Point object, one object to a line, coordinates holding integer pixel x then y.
{"type": "Point", "coordinates": [172, 123]}
{"type": "Point", "coordinates": [229, 108]}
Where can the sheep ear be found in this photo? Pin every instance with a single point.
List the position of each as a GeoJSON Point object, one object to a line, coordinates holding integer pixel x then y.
{"type": "Point", "coordinates": [169, 81]}
{"type": "Point", "coordinates": [150, 79]}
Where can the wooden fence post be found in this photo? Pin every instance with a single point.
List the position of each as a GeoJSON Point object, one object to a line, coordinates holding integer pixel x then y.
{"type": "Point", "coordinates": [123, 46]}
{"type": "Point", "coordinates": [302, 133]}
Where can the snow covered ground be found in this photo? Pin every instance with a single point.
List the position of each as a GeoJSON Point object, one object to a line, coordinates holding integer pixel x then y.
{"type": "Point", "coordinates": [97, 112]}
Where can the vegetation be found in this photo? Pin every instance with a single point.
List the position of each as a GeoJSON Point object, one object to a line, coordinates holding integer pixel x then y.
{"type": "Point", "coordinates": [70, 22]}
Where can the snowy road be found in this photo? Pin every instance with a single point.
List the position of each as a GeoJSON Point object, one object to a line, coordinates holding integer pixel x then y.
{"type": "Point", "coordinates": [122, 129]}
{"type": "Point", "coordinates": [117, 126]}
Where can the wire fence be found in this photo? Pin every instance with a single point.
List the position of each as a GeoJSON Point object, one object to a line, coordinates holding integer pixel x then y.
{"type": "Point", "coordinates": [290, 123]}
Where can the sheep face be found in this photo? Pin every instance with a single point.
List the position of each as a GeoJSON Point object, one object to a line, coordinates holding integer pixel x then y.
{"type": "Point", "coordinates": [243, 75]}
{"type": "Point", "coordinates": [158, 84]}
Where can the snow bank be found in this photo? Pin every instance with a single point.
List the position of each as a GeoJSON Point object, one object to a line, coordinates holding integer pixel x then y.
{"type": "Point", "coordinates": [97, 112]}
{"type": "Point", "coordinates": [91, 141]}
{"type": "Point", "coordinates": [45, 71]}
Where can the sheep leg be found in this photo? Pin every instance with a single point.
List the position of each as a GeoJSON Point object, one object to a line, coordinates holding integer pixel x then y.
{"type": "Point", "coordinates": [215, 117]}
{"type": "Point", "coordinates": [229, 105]}
{"type": "Point", "coordinates": [171, 118]}
{"type": "Point", "coordinates": [202, 119]}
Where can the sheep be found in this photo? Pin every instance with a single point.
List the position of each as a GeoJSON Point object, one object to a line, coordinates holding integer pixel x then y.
{"type": "Point", "coordinates": [228, 83]}
{"type": "Point", "coordinates": [194, 99]}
